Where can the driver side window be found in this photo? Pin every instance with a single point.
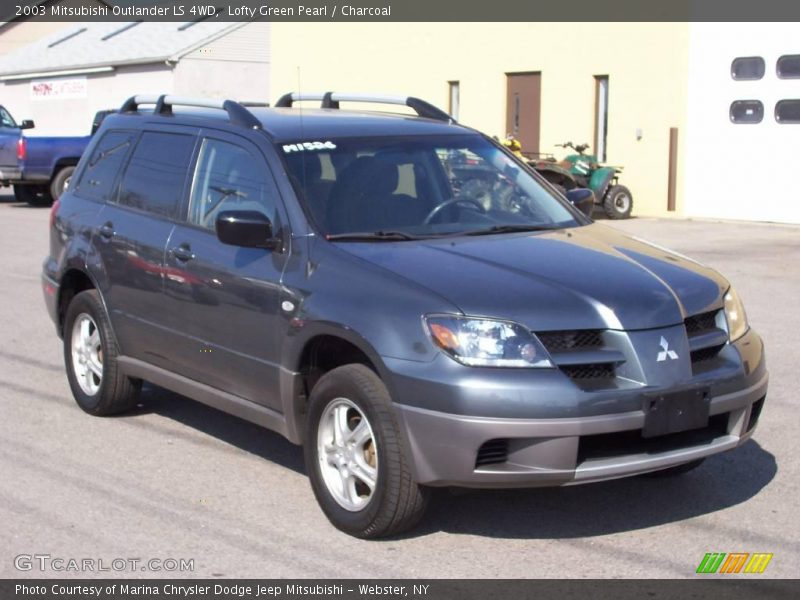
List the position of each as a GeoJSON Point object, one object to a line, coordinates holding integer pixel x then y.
{"type": "Point", "coordinates": [228, 177]}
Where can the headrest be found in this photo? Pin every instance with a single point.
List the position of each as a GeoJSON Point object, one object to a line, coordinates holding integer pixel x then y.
{"type": "Point", "coordinates": [305, 166]}
{"type": "Point", "coordinates": [370, 176]}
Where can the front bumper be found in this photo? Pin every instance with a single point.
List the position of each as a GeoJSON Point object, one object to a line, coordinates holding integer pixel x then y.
{"type": "Point", "coordinates": [591, 442]}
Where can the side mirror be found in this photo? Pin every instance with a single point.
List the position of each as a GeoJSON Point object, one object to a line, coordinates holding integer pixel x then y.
{"type": "Point", "coordinates": [27, 124]}
{"type": "Point", "coordinates": [582, 199]}
{"type": "Point", "coordinates": [246, 228]}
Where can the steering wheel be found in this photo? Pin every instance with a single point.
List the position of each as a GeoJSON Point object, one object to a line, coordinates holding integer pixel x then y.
{"type": "Point", "coordinates": [457, 200]}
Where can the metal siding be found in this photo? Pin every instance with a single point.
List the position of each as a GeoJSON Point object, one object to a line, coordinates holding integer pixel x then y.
{"type": "Point", "coordinates": [246, 44]}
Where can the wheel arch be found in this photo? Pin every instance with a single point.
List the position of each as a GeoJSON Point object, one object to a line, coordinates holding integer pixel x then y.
{"type": "Point", "coordinates": [74, 281]}
{"type": "Point", "coordinates": [600, 181]}
{"type": "Point", "coordinates": [322, 347]}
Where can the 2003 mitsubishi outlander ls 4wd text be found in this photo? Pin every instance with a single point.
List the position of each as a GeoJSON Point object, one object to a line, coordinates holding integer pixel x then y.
{"type": "Point", "coordinates": [397, 293]}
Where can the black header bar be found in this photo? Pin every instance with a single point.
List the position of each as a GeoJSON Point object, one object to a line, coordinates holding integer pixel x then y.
{"type": "Point", "coordinates": [377, 11]}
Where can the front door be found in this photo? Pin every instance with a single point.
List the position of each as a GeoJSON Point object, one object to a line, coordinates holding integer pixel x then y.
{"type": "Point", "coordinates": [224, 300]}
{"type": "Point", "coordinates": [523, 108]}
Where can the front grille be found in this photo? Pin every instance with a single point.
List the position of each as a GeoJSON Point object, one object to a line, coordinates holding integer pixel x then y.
{"type": "Point", "coordinates": [562, 341]}
{"type": "Point", "coordinates": [566, 348]}
{"type": "Point", "coordinates": [701, 323]}
{"type": "Point", "coordinates": [627, 443]}
{"type": "Point", "coordinates": [492, 452]}
{"type": "Point", "coordinates": [589, 371]}
{"type": "Point", "coordinates": [704, 354]}
{"type": "Point", "coordinates": [696, 326]}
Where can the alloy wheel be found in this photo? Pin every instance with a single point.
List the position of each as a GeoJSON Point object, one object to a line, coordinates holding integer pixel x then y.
{"type": "Point", "coordinates": [87, 354]}
{"type": "Point", "coordinates": [347, 454]}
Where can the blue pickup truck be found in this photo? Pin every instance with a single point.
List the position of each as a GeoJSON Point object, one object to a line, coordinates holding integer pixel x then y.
{"type": "Point", "coordinates": [39, 168]}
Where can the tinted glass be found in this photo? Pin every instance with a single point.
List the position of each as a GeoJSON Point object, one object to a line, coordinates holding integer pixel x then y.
{"type": "Point", "coordinates": [747, 111]}
{"type": "Point", "coordinates": [787, 111]}
{"type": "Point", "coordinates": [156, 173]}
{"type": "Point", "coordinates": [418, 186]}
{"type": "Point", "coordinates": [747, 67]}
{"type": "Point", "coordinates": [789, 66]}
{"type": "Point", "coordinates": [107, 158]}
{"type": "Point", "coordinates": [6, 119]}
{"type": "Point", "coordinates": [229, 177]}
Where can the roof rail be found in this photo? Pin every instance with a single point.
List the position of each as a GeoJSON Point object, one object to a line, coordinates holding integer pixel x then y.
{"type": "Point", "coordinates": [332, 99]}
{"type": "Point", "coordinates": [237, 113]}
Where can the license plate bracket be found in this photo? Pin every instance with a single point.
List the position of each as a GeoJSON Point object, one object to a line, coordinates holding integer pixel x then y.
{"type": "Point", "coordinates": [672, 412]}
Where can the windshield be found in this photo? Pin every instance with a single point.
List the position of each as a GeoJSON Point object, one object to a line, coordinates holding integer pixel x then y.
{"type": "Point", "coordinates": [6, 119]}
{"type": "Point", "coordinates": [412, 187]}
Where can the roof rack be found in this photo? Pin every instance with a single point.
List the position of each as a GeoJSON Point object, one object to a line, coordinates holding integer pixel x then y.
{"type": "Point", "coordinates": [238, 114]}
{"type": "Point", "coordinates": [332, 99]}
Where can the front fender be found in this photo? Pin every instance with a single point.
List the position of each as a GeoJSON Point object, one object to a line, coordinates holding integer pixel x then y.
{"type": "Point", "coordinates": [600, 180]}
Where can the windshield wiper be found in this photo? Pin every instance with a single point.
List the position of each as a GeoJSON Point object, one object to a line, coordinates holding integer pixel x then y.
{"type": "Point", "coordinates": [375, 236]}
{"type": "Point", "coordinates": [509, 229]}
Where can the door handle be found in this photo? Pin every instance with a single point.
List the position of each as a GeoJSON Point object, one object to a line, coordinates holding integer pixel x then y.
{"type": "Point", "coordinates": [183, 252]}
{"type": "Point", "coordinates": [107, 230]}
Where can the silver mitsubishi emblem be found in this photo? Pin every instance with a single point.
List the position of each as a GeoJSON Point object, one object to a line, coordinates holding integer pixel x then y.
{"type": "Point", "coordinates": [666, 353]}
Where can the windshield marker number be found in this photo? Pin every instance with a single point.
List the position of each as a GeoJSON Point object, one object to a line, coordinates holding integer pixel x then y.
{"type": "Point", "coordinates": [302, 146]}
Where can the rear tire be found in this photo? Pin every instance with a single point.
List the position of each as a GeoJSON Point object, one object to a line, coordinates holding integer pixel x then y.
{"type": "Point", "coordinates": [34, 195]}
{"type": "Point", "coordinates": [90, 354]}
{"type": "Point", "coordinates": [618, 202]}
{"type": "Point", "coordinates": [352, 438]}
{"type": "Point", "coordinates": [678, 470]}
{"type": "Point", "coordinates": [60, 181]}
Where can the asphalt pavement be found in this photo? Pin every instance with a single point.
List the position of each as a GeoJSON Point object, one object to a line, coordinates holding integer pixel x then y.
{"type": "Point", "coordinates": [177, 480]}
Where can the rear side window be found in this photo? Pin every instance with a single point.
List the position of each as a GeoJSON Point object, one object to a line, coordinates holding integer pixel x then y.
{"type": "Point", "coordinates": [109, 155]}
{"type": "Point", "coordinates": [228, 177]}
{"type": "Point", "coordinates": [156, 173]}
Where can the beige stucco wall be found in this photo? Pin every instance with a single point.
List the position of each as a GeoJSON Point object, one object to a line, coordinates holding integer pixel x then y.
{"type": "Point", "coordinates": [646, 64]}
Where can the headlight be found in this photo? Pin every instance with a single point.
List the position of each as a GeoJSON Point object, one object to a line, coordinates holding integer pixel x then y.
{"type": "Point", "coordinates": [487, 343]}
{"type": "Point", "coordinates": [734, 314]}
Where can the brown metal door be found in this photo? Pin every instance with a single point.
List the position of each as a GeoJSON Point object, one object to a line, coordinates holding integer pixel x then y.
{"type": "Point", "coordinates": [523, 107]}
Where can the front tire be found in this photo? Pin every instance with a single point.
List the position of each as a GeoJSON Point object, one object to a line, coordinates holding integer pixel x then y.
{"type": "Point", "coordinates": [90, 354]}
{"type": "Point", "coordinates": [34, 195]}
{"type": "Point", "coordinates": [618, 202]}
{"type": "Point", "coordinates": [355, 458]}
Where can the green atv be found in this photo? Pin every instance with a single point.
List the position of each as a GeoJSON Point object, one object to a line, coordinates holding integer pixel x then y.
{"type": "Point", "coordinates": [583, 171]}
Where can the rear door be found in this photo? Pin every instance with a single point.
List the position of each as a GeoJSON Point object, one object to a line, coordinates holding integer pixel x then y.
{"type": "Point", "coordinates": [223, 301]}
{"type": "Point", "coordinates": [132, 234]}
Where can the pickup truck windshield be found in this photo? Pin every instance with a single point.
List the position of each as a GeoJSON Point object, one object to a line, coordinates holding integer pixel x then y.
{"type": "Point", "coordinates": [6, 119]}
{"type": "Point", "coordinates": [408, 187]}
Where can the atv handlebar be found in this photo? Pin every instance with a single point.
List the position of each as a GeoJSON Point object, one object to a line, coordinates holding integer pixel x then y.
{"type": "Point", "coordinates": [580, 148]}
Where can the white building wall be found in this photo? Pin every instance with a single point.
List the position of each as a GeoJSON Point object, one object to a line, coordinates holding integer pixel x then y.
{"type": "Point", "coordinates": [737, 171]}
{"type": "Point", "coordinates": [235, 66]}
{"type": "Point", "coordinates": [74, 116]}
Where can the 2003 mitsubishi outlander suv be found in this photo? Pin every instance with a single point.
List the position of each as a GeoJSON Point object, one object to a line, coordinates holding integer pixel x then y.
{"type": "Point", "coordinates": [399, 294]}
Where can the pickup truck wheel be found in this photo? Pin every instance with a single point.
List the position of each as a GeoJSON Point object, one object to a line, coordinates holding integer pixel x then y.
{"type": "Point", "coordinates": [34, 195]}
{"type": "Point", "coordinates": [60, 182]}
{"type": "Point", "coordinates": [355, 458]}
{"type": "Point", "coordinates": [90, 355]}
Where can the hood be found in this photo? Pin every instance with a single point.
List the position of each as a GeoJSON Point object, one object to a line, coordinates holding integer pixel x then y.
{"type": "Point", "coordinates": [590, 277]}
